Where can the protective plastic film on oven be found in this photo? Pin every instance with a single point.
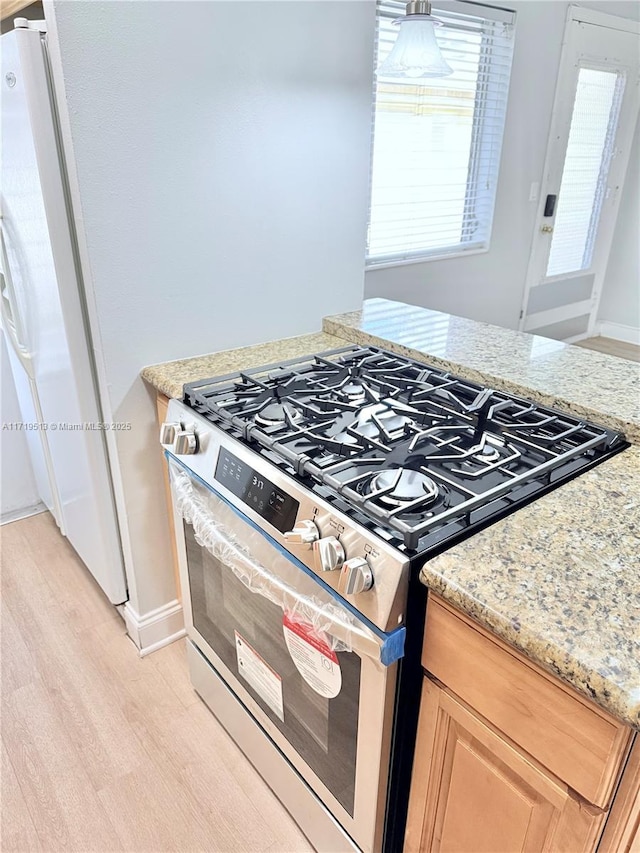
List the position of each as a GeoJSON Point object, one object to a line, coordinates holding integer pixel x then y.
{"type": "Point", "coordinates": [285, 582]}
{"type": "Point", "coordinates": [288, 641]}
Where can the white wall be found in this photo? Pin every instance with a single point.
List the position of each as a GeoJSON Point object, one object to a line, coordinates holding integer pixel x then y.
{"type": "Point", "coordinates": [18, 492]}
{"type": "Point", "coordinates": [620, 302]}
{"type": "Point", "coordinates": [490, 286]}
{"type": "Point", "coordinates": [221, 179]}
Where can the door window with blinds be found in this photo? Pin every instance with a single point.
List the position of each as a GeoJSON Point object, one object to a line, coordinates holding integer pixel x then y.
{"type": "Point", "coordinates": [586, 169]}
{"type": "Point", "coordinates": [436, 142]}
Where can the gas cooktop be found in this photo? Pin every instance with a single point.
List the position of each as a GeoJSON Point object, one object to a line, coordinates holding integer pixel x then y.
{"type": "Point", "coordinates": [417, 454]}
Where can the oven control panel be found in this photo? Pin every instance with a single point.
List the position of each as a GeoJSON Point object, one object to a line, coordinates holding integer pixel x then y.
{"type": "Point", "coordinates": [369, 573]}
{"type": "Point", "coordinates": [256, 491]}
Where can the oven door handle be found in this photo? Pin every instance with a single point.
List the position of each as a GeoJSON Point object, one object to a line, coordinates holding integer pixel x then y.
{"type": "Point", "coordinates": [331, 616]}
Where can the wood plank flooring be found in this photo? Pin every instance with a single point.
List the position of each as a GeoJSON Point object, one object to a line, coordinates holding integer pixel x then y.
{"type": "Point", "coordinates": [607, 345]}
{"type": "Point", "coordinates": [102, 750]}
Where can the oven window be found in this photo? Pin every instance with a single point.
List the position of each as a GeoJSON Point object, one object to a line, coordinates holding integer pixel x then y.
{"type": "Point", "coordinates": [246, 632]}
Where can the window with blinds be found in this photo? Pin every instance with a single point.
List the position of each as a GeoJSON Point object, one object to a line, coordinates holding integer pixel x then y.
{"type": "Point", "coordinates": [436, 143]}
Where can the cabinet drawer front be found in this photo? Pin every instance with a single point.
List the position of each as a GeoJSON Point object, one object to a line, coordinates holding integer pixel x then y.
{"type": "Point", "coordinates": [574, 739]}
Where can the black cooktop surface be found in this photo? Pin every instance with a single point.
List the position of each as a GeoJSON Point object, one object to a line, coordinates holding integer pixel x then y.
{"type": "Point", "coordinates": [418, 454]}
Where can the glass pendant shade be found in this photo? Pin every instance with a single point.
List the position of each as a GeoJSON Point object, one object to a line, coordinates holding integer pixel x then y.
{"type": "Point", "coordinates": [416, 52]}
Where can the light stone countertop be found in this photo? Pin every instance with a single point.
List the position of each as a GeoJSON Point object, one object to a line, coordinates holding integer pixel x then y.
{"type": "Point", "coordinates": [170, 376]}
{"type": "Point", "coordinates": [560, 578]}
{"type": "Point", "coordinates": [591, 385]}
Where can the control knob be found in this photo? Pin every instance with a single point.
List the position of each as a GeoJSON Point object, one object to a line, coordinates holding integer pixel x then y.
{"type": "Point", "coordinates": [356, 576]}
{"type": "Point", "coordinates": [305, 532]}
{"type": "Point", "coordinates": [180, 439]}
{"type": "Point", "coordinates": [185, 442]}
{"type": "Point", "coordinates": [329, 554]}
{"type": "Point", "coordinates": [168, 432]}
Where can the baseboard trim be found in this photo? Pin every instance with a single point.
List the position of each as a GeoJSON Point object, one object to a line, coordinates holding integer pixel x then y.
{"type": "Point", "coordinates": [25, 512]}
{"type": "Point", "coordinates": [619, 332]}
{"type": "Point", "coordinates": [157, 628]}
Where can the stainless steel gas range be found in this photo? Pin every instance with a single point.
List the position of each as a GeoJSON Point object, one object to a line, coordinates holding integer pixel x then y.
{"type": "Point", "coordinates": [307, 495]}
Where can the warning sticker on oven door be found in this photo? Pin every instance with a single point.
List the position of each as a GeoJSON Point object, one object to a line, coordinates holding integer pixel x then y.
{"type": "Point", "coordinates": [257, 672]}
{"type": "Point", "coordinates": [315, 660]}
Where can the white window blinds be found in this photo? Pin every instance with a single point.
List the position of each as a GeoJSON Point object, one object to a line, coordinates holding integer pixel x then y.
{"type": "Point", "coordinates": [436, 143]}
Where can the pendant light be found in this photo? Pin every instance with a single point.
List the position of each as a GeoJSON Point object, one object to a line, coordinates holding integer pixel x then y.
{"type": "Point", "coordinates": [415, 53]}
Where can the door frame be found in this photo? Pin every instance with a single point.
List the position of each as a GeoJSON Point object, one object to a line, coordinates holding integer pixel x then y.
{"type": "Point", "coordinates": [559, 127]}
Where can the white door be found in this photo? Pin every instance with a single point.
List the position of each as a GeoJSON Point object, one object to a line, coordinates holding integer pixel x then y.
{"type": "Point", "coordinates": [594, 116]}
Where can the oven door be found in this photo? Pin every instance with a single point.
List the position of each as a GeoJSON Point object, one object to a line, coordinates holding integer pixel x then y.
{"type": "Point", "coordinates": [304, 665]}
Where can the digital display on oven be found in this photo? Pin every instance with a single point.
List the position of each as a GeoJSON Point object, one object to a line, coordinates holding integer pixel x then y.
{"type": "Point", "coordinates": [276, 507]}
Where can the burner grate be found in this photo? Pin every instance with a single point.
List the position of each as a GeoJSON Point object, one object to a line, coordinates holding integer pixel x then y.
{"type": "Point", "coordinates": [416, 450]}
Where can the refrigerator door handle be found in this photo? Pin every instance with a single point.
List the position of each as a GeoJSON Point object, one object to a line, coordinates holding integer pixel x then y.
{"type": "Point", "coordinates": [10, 316]}
{"type": "Point", "coordinates": [11, 324]}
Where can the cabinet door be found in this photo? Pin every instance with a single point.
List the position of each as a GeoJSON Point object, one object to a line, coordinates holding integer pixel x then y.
{"type": "Point", "coordinates": [473, 792]}
{"type": "Point", "coordinates": [622, 832]}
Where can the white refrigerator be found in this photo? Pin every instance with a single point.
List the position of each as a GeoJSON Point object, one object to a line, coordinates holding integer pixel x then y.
{"type": "Point", "coordinates": [44, 316]}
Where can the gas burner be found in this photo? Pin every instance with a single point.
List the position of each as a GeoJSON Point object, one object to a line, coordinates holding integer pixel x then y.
{"type": "Point", "coordinates": [379, 423]}
{"type": "Point", "coordinates": [487, 453]}
{"type": "Point", "coordinates": [405, 486]}
{"type": "Point", "coordinates": [354, 392]}
{"type": "Point", "coordinates": [275, 414]}
{"type": "Point", "coordinates": [387, 421]}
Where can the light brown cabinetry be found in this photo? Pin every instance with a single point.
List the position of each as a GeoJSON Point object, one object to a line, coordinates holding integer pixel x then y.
{"type": "Point", "coordinates": [508, 759]}
{"type": "Point", "coordinates": [622, 832]}
{"type": "Point", "coordinates": [12, 8]}
{"type": "Point", "coordinates": [480, 794]}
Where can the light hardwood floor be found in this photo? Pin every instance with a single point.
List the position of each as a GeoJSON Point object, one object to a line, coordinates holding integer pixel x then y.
{"type": "Point", "coordinates": [611, 347]}
{"type": "Point", "coordinates": [102, 750]}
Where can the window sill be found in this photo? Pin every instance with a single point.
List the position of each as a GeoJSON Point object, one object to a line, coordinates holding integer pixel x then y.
{"type": "Point", "coordinates": [383, 265]}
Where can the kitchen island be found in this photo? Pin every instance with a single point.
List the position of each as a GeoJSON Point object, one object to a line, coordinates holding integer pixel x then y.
{"type": "Point", "coordinates": [504, 759]}
{"type": "Point", "coordinates": [559, 579]}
